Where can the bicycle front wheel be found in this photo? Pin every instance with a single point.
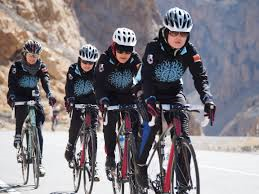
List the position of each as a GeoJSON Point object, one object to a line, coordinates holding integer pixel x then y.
{"type": "Point", "coordinates": [185, 172]}
{"type": "Point", "coordinates": [131, 166]}
{"type": "Point", "coordinates": [24, 156]}
{"type": "Point", "coordinates": [89, 166]}
{"type": "Point", "coordinates": [77, 169]}
{"type": "Point", "coordinates": [36, 157]}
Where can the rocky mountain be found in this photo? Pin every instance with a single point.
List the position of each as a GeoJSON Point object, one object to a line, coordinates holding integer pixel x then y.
{"type": "Point", "coordinates": [226, 35]}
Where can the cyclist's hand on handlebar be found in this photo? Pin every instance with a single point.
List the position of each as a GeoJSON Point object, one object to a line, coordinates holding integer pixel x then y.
{"type": "Point", "coordinates": [69, 103]}
{"type": "Point", "coordinates": [151, 106]}
{"type": "Point", "coordinates": [52, 101]}
{"type": "Point", "coordinates": [210, 109]}
{"type": "Point", "coordinates": [11, 101]}
{"type": "Point", "coordinates": [103, 104]}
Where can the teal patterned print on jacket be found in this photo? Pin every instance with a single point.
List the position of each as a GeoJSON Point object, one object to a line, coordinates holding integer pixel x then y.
{"type": "Point", "coordinates": [83, 87]}
{"type": "Point", "coordinates": [28, 81]}
{"type": "Point", "coordinates": [121, 79]}
{"type": "Point", "coordinates": [169, 71]}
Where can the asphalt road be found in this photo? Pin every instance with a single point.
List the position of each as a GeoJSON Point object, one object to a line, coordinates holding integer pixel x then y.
{"type": "Point", "coordinates": [220, 172]}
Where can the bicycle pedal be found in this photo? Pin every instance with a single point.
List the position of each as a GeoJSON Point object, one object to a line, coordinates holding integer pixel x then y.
{"type": "Point", "coordinates": [110, 174]}
{"type": "Point", "coordinates": [96, 179]}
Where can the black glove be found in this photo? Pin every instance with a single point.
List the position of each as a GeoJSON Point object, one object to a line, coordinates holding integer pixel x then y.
{"type": "Point", "coordinates": [52, 101]}
{"type": "Point", "coordinates": [104, 103]}
{"type": "Point", "coordinates": [210, 109]}
{"type": "Point", "coordinates": [69, 103]}
{"type": "Point", "coordinates": [11, 101]}
{"type": "Point", "coordinates": [151, 106]}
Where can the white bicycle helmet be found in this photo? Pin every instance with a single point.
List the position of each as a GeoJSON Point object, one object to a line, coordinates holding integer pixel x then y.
{"type": "Point", "coordinates": [32, 46]}
{"type": "Point", "coordinates": [125, 37]}
{"type": "Point", "coordinates": [178, 20]}
{"type": "Point", "coordinates": [88, 52]}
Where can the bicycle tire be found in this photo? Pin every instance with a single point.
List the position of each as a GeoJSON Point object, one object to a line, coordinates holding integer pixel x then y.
{"type": "Point", "coordinates": [77, 170]}
{"type": "Point", "coordinates": [89, 165]}
{"type": "Point", "coordinates": [157, 172]}
{"type": "Point", "coordinates": [188, 175]}
{"type": "Point", "coordinates": [36, 157]}
{"type": "Point", "coordinates": [24, 154]}
{"type": "Point", "coordinates": [131, 166]}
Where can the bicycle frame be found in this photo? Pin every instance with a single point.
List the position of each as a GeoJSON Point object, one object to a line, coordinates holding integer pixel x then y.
{"type": "Point", "coordinates": [176, 125]}
{"type": "Point", "coordinates": [86, 125]}
{"type": "Point", "coordinates": [32, 132]}
{"type": "Point", "coordinates": [31, 119]}
{"type": "Point", "coordinates": [125, 129]}
{"type": "Point", "coordinates": [79, 161]}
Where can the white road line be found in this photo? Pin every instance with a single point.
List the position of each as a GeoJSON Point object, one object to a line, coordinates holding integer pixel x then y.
{"type": "Point", "coordinates": [230, 170]}
{"type": "Point", "coordinates": [8, 189]}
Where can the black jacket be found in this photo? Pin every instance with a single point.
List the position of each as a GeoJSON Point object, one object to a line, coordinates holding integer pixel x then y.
{"type": "Point", "coordinates": [114, 80]}
{"type": "Point", "coordinates": [80, 85]}
{"type": "Point", "coordinates": [164, 67]}
{"type": "Point", "coordinates": [22, 84]}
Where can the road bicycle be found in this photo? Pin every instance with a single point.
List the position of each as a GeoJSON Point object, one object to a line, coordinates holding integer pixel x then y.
{"type": "Point", "coordinates": [179, 173]}
{"type": "Point", "coordinates": [29, 151]}
{"type": "Point", "coordinates": [125, 165]}
{"type": "Point", "coordinates": [84, 159]}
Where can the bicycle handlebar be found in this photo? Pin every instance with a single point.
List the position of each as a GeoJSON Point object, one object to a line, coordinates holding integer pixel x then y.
{"type": "Point", "coordinates": [118, 108]}
{"type": "Point", "coordinates": [175, 107]}
{"type": "Point", "coordinates": [83, 106]}
{"type": "Point", "coordinates": [29, 103]}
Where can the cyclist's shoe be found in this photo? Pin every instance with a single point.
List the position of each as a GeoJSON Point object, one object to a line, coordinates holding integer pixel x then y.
{"type": "Point", "coordinates": [19, 157]}
{"type": "Point", "coordinates": [110, 167]}
{"type": "Point", "coordinates": [110, 163]}
{"type": "Point", "coordinates": [141, 175]}
{"type": "Point", "coordinates": [96, 177]}
{"type": "Point", "coordinates": [69, 152]}
{"type": "Point", "coordinates": [17, 141]}
{"type": "Point", "coordinates": [42, 171]}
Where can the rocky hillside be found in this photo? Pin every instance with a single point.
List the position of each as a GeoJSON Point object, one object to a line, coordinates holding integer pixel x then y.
{"type": "Point", "coordinates": [99, 19]}
{"type": "Point", "coordinates": [62, 26]}
{"type": "Point", "coordinates": [226, 34]}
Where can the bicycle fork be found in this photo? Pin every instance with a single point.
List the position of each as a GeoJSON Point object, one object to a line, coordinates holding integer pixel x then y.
{"type": "Point", "coordinates": [167, 180]}
{"type": "Point", "coordinates": [125, 153]}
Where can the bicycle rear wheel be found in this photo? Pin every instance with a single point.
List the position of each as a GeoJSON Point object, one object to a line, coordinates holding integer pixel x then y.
{"type": "Point", "coordinates": [35, 157]}
{"type": "Point", "coordinates": [185, 172]}
{"type": "Point", "coordinates": [89, 162]}
{"type": "Point", "coordinates": [24, 155]}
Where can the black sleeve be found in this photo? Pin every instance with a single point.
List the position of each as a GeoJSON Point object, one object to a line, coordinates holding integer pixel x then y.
{"type": "Point", "coordinates": [146, 71]}
{"type": "Point", "coordinates": [136, 61]}
{"type": "Point", "coordinates": [69, 87]}
{"type": "Point", "coordinates": [199, 75]}
{"type": "Point", "coordinates": [44, 78]}
{"type": "Point", "coordinates": [100, 72]}
{"type": "Point", "coordinates": [12, 81]}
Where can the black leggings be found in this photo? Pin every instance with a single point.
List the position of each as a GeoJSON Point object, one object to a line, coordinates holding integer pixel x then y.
{"type": "Point", "coordinates": [110, 130]}
{"type": "Point", "coordinates": [21, 113]}
{"type": "Point", "coordinates": [76, 123]}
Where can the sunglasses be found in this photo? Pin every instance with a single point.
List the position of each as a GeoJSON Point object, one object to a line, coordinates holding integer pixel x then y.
{"type": "Point", "coordinates": [182, 34]}
{"type": "Point", "coordinates": [121, 52]}
{"type": "Point", "coordinates": [87, 62]}
{"type": "Point", "coordinates": [33, 55]}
